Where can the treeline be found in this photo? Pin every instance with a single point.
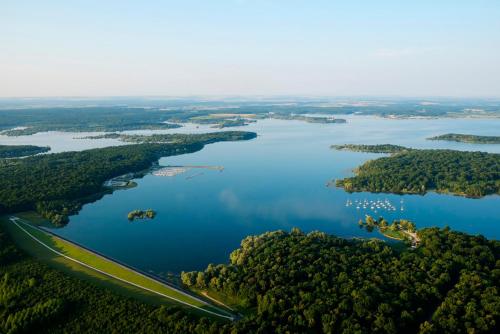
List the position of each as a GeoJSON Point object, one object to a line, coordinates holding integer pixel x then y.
{"type": "Point", "coordinates": [316, 283]}
{"type": "Point", "coordinates": [16, 151]}
{"type": "Point", "coordinates": [78, 119]}
{"type": "Point", "coordinates": [383, 225]}
{"type": "Point", "coordinates": [383, 148]}
{"type": "Point", "coordinates": [308, 119]}
{"type": "Point", "coordinates": [228, 123]}
{"type": "Point", "coordinates": [472, 174]}
{"type": "Point", "coordinates": [56, 185]}
{"type": "Point", "coordinates": [463, 138]}
{"type": "Point", "coordinates": [37, 299]}
{"type": "Point", "coordinates": [179, 138]}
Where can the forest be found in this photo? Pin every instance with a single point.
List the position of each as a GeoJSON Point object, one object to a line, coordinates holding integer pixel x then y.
{"type": "Point", "coordinates": [317, 283]}
{"type": "Point", "coordinates": [471, 174]}
{"type": "Point", "coordinates": [383, 148]}
{"type": "Point", "coordinates": [463, 138]}
{"type": "Point", "coordinates": [287, 283]}
{"type": "Point", "coordinates": [17, 151]}
{"type": "Point", "coordinates": [56, 185]}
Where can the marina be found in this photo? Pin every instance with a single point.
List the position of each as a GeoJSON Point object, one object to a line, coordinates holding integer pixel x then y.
{"type": "Point", "coordinates": [171, 171]}
{"type": "Point", "coordinates": [375, 205]}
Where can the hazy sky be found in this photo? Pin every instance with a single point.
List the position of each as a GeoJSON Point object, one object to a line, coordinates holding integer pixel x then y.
{"type": "Point", "coordinates": [250, 47]}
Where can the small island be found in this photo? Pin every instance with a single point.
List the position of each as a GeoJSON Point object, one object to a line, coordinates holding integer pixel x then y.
{"type": "Point", "coordinates": [141, 214]}
{"type": "Point", "coordinates": [383, 148]}
{"type": "Point", "coordinates": [471, 139]}
{"type": "Point", "coordinates": [17, 151]}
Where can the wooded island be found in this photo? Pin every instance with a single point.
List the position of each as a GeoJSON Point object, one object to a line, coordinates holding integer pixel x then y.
{"type": "Point", "coordinates": [141, 214]}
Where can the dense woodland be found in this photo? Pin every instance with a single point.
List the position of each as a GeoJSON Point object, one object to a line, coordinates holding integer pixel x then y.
{"type": "Point", "coordinates": [35, 120]}
{"type": "Point", "coordinates": [473, 139]}
{"type": "Point", "coordinates": [313, 283]}
{"type": "Point", "coordinates": [56, 185]}
{"type": "Point", "coordinates": [16, 151]}
{"type": "Point", "coordinates": [383, 148]}
{"type": "Point", "coordinates": [288, 283]}
{"type": "Point", "coordinates": [472, 174]}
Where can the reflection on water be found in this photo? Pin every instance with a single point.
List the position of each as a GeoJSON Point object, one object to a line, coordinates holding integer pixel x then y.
{"type": "Point", "coordinates": [277, 181]}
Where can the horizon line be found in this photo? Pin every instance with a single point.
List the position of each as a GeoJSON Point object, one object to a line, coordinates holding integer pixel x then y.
{"type": "Point", "coordinates": [251, 96]}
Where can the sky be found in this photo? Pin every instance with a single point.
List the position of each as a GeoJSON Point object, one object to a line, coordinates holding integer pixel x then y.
{"type": "Point", "coordinates": [250, 47]}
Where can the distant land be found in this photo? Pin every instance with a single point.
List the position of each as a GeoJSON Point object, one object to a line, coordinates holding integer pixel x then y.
{"type": "Point", "coordinates": [16, 151]}
{"type": "Point", "coordinates": [463, 138]}
{"type": "Point", "coordinates": [28, 116]}
{"type": "Point", "coordinates": [308, 118]}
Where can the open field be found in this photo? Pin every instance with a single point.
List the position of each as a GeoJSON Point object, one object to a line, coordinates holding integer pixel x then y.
{"type": "Point", "coordinates": [398, 235]}
{"type": "Point", "coordinates": [85, 264]}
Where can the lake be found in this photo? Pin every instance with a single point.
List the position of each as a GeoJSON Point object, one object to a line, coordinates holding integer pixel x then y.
{"type": "Point", "coordinates": [276, 181]}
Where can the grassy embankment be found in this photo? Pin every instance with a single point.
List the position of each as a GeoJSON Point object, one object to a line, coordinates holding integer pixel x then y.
{"type": "Point", "coordinates": [34, 248]}
{"type": "Point", "coordinates": [398, 235]}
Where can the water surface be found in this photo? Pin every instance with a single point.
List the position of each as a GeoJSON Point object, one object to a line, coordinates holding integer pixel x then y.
{"type": "Point", "coordinates": [277, 181]}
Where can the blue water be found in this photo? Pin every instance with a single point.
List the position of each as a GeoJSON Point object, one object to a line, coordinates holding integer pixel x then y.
{"type": "Point", "coordinates": [277, 181]}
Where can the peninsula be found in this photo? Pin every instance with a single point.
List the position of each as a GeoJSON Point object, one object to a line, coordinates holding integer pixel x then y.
{"type": "Point", "coordinates": [308, 119]}
{"type": "Point", "coordinates": [17, 151]}
{"type": "Point", "coordinates": [470, 174]}
{"type": "Point", "coordinates": [384, 148]}
{"type": "Point", "coordinates": [71, 179]}
{"type": "Point", "coordinates": [463, 138]}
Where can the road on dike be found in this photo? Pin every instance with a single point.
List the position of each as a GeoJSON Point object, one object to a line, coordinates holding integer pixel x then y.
{"type": "Point", "coordinates": [189, 300]}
